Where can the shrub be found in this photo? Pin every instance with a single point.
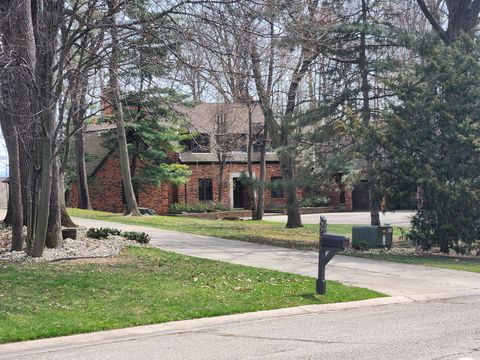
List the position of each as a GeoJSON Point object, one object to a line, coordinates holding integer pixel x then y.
{"type": "Point", "coordinates": [102, 233]}
{"type": "Point", "coordinates": [197, 208]}
{"type": "Point", "coordinates": [315, 201]}
{"type": "Point", "coordinates": [141, 237]}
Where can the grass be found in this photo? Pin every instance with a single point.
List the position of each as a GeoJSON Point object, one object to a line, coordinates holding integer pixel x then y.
{"type": "Point", "coordinates": [272, 233]}
{"type": "Point", "coordinates": [445, 262]}
{"type": "Point", "coordinates": [262, 232]}
{"type": "Point", "coordinates": [143, 286]}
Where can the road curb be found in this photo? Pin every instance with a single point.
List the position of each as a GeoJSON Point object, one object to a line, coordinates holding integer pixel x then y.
{"type": "Point", "coordinates": [18, 349]}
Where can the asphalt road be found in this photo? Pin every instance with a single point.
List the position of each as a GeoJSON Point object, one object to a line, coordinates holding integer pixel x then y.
{"type": "Point", "coordinates": [398, 218]}
{"type": "Point", "coordinates": [440, 329]}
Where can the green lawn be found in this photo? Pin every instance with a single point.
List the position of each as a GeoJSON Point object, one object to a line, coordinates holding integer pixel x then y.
{"type": "Point", "coordinates": [272, 233]}
{"type": "Point", "coordinates": [143, 286]}
{"type": "Point", "coordinates": [263, 232]}
{"type": "Point", "coordinates": [465, 264]}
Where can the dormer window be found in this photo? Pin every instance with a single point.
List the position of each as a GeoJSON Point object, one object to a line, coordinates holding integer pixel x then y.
{"type": "Point", "coordinates": [231, 142]}
{"type": "Point", "coordinates": [221, 123]}
{"type": "Point", "coordinates": [199, 144]}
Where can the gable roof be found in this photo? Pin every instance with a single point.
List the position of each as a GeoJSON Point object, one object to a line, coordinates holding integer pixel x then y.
{"type": "Point", "coordinates": [203, 118]}
{"type": "Point", "coordinates": [99, 127]}
{"type": "Point", "coordinates": [93, 145]}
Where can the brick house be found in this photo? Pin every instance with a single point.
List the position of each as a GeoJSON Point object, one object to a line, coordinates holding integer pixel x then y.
{"type": "Point", "coordinates": [221, 140]}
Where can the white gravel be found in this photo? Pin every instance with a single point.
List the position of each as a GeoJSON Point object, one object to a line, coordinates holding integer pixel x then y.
{"type": "Point", "coordinates": [81, 247]}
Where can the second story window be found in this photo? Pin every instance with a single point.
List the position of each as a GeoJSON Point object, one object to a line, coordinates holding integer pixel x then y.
{"type": "Point", "coordinates": [199, 144]}
{"type": "Point", "coordinates": [221, 123]}
{"type": "Point", "coordinates": [231, 142]}
{"type": "Point", "coordinates": [242, 142]}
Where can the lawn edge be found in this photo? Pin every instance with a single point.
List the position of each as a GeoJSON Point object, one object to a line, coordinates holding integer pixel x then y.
{"type": "Point", "coordinates": [128, 334]}
{"type": "Point", "coordinates": [276, 244]}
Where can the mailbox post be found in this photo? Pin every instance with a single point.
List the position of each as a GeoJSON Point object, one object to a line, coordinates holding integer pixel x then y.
{"type": "Point", "coordinates": [329, 245]}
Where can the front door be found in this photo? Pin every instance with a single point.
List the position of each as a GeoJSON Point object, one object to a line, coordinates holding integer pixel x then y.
{"type": "Point", "coordinates": [361, 198]}
{"type": "Point", "coordinates": [238, 201]}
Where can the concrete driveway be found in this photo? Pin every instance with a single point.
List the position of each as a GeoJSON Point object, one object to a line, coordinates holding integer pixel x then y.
{"type": "Point", "coordinates": [386, 277]}
{"type": "Point", "coordinates": [398, 218]}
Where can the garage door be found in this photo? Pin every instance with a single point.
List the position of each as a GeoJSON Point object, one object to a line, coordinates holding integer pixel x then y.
{"type": "Point", "coordinates": [361, 200]}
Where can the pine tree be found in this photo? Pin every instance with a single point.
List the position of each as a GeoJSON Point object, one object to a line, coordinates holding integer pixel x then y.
{"type": "Point", "coordinates": [154, 136]}
{"type": "Point", "coordinates": [431, 144]}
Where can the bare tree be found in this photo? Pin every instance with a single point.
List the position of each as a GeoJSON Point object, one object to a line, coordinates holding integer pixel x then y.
{"type": "Point", "coordinates": [282, 40]}
{"type": "Point", "coordinates": [78, 85]}
{"type": "Point", "coordinates": [19, 58]}
{"type": "Point", "coordinates": [115, 98]}
{"type": "Point", "coordinates": [308, 46]}
{"type": "Point", "coordinates": [462, 16]}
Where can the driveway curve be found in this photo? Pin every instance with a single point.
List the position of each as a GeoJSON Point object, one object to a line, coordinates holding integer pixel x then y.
{"type": "Point", "coordinates": [387, 277]}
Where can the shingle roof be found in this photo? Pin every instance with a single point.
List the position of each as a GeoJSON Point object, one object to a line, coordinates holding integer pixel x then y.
{"type": "Point", "coordinates": [203, 117]}
{"type": "Point", "coordinates": [100, 127]}
{"type": "Point", "coordinates": [238, 157]}
{"type": "Point", "coordinates": [93, 145]}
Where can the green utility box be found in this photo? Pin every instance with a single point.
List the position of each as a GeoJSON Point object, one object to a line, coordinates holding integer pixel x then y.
{"type": "Point", "coordinates": [372, 237]}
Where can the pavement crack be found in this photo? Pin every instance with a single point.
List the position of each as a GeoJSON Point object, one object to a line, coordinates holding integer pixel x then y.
{"type": "Point", "coordinates": [269, 338]}
{"type": "Point", "coordinates": [364, 270]}
{"type": "Point", "coordinates": [463, 353]}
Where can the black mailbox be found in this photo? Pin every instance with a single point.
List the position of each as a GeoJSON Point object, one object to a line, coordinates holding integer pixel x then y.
{"type": "Point", "coordinates": [329, 245]}
{"type": "Point", "coordinates": [334, 242]}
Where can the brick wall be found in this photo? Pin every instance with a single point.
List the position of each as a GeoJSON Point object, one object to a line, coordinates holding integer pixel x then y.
{"type": "Point", "coordinates": [156, 198]}
{"type": "Point", "coordinates": [335, 199]}
{"type": "Point", "coordinates": [106, 193]}
{"type": "Point", "coordinates": [188, 193]}
{"type": "Point", "coordinates": [105, 187]}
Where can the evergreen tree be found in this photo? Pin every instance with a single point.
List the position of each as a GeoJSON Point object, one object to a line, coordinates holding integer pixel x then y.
{"type": "Point", "coordinates": [431, 144]}
{"type": "Point", "coordinates": [152, 126]}
{"type": "Point", "coordinates": [154, 137]}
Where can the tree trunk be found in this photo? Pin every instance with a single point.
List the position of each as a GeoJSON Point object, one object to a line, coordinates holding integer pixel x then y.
{"type": "Point", "coordinates": [32, 198]}
{"type": "Point", "coordinates": [366, 118]}
{"type": "Point", "coordinates": [47, 26]}
{"type": "Point", "coordinates": [42, 207]}
{"type": "Point", "coordinates": [374, 208]}
{"type": "Point", "coordinates": [462, 17]}
{"type": "Point", "coordinates": [261, 181]}
{"type": "Point", "coordinates": [294, 219]}
{"type": "Point", "coordinates": [133, 172]}
{"type": "Point", "coordinates": [253, 188]}
{"type": "Point", "coordinates": [78, 118]}
{"type": "Point", "coordinates": [54, 236]}
{"type": "Point", "coordinates": [65, 219]}
{"type": "Point", "coordinates": [280, 134]}
{"type": "Point", "coordinates": [19, 40]}
{"type": "Point", "coordinates": [16, 83]}
{"type": "Point", "coordinates": [132, 207]}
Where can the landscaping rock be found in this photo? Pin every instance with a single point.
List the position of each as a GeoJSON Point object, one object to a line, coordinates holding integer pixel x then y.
{"type": "Point", "coordinates": [146, 211]}
{"type": "Point", "coordinates": [82, 247]}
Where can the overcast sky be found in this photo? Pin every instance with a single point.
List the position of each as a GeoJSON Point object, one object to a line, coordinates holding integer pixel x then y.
{"type": "Point", "coordinates": [3, 157]}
